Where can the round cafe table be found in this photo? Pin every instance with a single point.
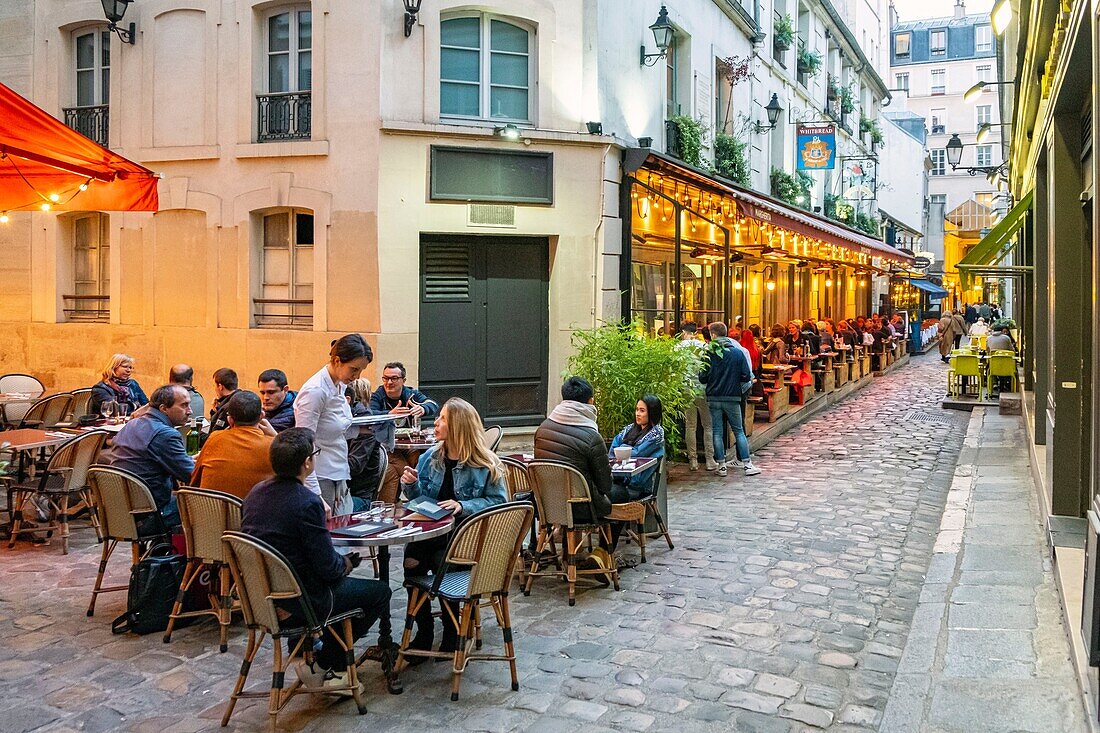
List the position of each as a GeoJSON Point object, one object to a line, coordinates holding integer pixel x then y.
{"type": "Point", "coordinates": [428, 529]}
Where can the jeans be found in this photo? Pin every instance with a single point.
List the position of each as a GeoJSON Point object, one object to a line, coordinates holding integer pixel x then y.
{"type": "Point", "coordinates": [696, 413]}
{"type": "Point", "coordinates": [373, 596]}
{"type": "Point", "coordinates": [730, 409]}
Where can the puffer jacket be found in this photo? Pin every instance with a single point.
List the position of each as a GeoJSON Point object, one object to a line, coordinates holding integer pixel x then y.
{"type": "Point", "coordinates": [582, 448]}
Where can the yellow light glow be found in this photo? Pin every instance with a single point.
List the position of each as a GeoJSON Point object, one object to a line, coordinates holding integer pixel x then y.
{"type": "Point", "coordinates": [737, 285]}
{"type": "Point", "coordinates": [974, 92]}
{"type": "Point", "coordinates": [83, 186]}
{"type": "Point", "coordinates": [54, 197]}
{"type": "Point", "coordinates": [1001, 16]}
{"type": "Point", "coordinates": [45, 207]}
{"type": "Point", "coordinates": [770, 285]}
{"type": "Point", "coordinates": [828, 282]}
{"type": "Point", "coordinates": [4, 218]}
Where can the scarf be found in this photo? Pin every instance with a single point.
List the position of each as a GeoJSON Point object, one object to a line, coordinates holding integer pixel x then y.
{"type": "Point", "coordinates": [635, 433]}
{"type": "Point", "coordinates": [121, 387]}
{"type": "Point", "coordinates": [571, 412]}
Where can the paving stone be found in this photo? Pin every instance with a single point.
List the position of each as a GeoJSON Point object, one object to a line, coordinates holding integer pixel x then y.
{"type": "Point", "coordinates": [771, 684]}
{"type": "Point", "coordinates": [752, 701]}
{"type": "Point", "coordinates": [836, 659]}
{"type": "Point", "coordinates": [630, 696]}
{"type": "Point", "coordinates": [809, 714]}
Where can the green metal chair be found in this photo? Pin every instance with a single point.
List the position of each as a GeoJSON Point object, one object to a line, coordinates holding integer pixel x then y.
{"type": "Point", "coordinates": [1001, 364]}
{"type": "Point", "coordinates": [964, 365]}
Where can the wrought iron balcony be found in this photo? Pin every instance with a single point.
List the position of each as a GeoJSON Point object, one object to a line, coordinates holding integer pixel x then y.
{"type": "Point", "coordinates": [91, 122]}
{"type": "Point", "coordinates": [284, 116]}
{"type": "Point", "coordinates": [283, 312]}
{"type": "Point", "coordinates": [95, 308]}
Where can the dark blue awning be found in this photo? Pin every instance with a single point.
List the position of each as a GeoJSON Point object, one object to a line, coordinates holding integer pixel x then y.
{"type": "Point", "coordinates": [935, 292]}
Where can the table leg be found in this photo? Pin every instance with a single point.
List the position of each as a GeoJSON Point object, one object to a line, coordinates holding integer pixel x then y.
{"type": "Point", "coordinates": [386, 646]}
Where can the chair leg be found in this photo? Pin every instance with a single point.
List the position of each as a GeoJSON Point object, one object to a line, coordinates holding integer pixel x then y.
{"type": "Point", "coordinates": [477, 625]}
{"type": "Point", "coordinates": [571, 547]}
{"type": "Point", "coordinates": [639, 527]}
{"type": "Point", "coordinates": [63, 518]}
{"type": "Point", "coordinates": [194, 565]}
{"type": "Point", "coordinates": [277, 678]}
{"type": "Point", "coordinates": [353, 672]}
{"type": "Point", "coordinates": [417, 598]}
{"type": "Point", "coordinates": [89, 501]}
{"type": "Point", "coordinates": [108, 548]}
{"type": "Point", "coordinates": [505, 618]}
{"type": "Point", "coordinates": [661, 526]}
{"type": "Point", "coordinates": [225, 609]}
{"type": "Point", "coordinates": [536, 561]}
{"type": "Point", "coordinates": [249, 655]}
{"type": "Point", "coordinates": [464, 629]}
{"type": "Point", "coordinates": [16, 500]}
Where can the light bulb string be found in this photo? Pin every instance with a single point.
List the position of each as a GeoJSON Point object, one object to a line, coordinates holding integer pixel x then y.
{"type": "Point", "coordinates": [80, 188]}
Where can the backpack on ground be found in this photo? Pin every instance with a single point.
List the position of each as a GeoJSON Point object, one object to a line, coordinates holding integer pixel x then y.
{"type": "Point", "coordinates": [154, 584]}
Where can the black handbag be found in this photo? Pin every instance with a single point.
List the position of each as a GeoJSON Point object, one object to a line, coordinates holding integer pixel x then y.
{"type": "Point", "coordinates": [154, 585]}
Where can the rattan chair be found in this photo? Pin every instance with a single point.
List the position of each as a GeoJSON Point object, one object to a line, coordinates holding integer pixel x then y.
{"type": "Point", "coordinates": [480, 561]}
{"type": "Point", "coordinates": [559, 491]}
{"type": "Point", "coordinates": [65, 475]}
{"type": "Point", "coordinates": [82, 399]}
{"type": "Point", "coordinates": [24, 383]}
{"type": "Point", "coordinates": [518, 484]}
{"type": "Point", "coordinates": [205, 516]}
{"type": "Point", "coordinates": [47, 412]}
{"type": "Point", "coordinates": [267, 587]}
{"type": "Point", "coordinates": [635, 528]}
{"type": "Point", "coordinates": [122, 502]}
{"type": "Point", "coordinates": [492, 437]}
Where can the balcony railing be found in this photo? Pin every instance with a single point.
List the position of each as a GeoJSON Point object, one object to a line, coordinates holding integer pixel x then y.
{"type": "Point", "coordinates": [91, 122]}
{"type": "Point", "coordinates": [86, 308]}
{"type": "Point", "coordinates": [284, 312]}
{"type": "Point", "coordinates": [284, 116]}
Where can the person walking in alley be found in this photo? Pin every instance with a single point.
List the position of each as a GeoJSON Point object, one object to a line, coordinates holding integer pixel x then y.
{"type": "Point", "coordinates": [952, 328]}
{"type": "Point", "coordinates": [697, 412]}
{"type": "Point", "coordinates": [727, 376]}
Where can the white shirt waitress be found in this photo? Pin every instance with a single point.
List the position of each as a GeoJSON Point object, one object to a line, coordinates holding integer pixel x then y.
{"type": "Point", "coordinates": [321, 407]}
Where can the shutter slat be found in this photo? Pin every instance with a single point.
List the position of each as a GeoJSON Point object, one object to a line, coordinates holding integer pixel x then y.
{"type": "Point", "coordinates": [446, 272]}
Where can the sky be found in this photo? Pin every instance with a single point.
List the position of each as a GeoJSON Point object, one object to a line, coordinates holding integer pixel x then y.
{"type": "Point", "coordinates": [917, 9]}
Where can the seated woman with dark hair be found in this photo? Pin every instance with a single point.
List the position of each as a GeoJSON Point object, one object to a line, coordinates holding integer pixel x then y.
{"type": "Point", "coordinates": [776, 350]}
{"type": "Point", "coordinates": [647, 439]}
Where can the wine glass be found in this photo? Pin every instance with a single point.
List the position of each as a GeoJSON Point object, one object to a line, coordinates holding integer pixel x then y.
{"type": "Point", "coordinates": [107, 409]}
{"type": "Point", "coordinates": [121, 410]}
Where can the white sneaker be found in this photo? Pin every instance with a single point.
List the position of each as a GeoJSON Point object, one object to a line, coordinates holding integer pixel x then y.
{"type": "Point", "coordinates": [721, 469]}
{"type": "Point", "coordinates": [336, 680]}
{"type": "Point", "coordinates": [316, 678]}
{"type": "Point", "coordinates": [751, 470]}
{"type": "Point", "coordinates": [310, 675]}
{"type": "Point", "coordinates": [693, 465]}
{"type": "Point", "coordinates": [711, 465]}
{"type": "Point", "coordinates": [735, 463]}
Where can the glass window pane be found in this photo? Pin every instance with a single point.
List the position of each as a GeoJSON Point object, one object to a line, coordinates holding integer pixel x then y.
{"type": "Point", "coordinates": [303, 229]}
{"type": "Point", "coordinates": [105, 96]}
{"type": "Point", "coordinates": [303, 269]}
{"type": "Point", "coordinates": [278, 73]}
{"type": "Point", "coordinates": [105, 48]}
{"type": "Point", "coordinates": [85, 88]}
{"type": "Point", "coordinates": [85, 51]}
{"type": "Point", "coordinates": [464, 32]}
{"type": "Point", "coordinates": [457, 65]}
{"type": "Point", "coordinates": [510, 104]}
{"type": "Point", "coordinates": [276, 266]}
{"type": "Point", "coordinates": [507, 37]}
{"type": "Point", "coordinates": [459, 99]}
{"type": "Point", "coordinates": [278, 32]}
{"type": "Point", "coordinates": [305, 29]}
{"type": "Point", "coordinates": [305, 71]}
{"type": "Point", "coordinates": [276, 230]}
{"type": "Point", "coordinates": [508, 69]}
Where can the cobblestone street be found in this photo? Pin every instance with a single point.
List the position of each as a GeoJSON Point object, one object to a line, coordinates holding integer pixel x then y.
{"type": "Point", "coordinates": [785, 606]}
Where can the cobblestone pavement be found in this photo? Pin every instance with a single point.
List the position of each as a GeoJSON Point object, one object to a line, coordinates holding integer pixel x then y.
{"type": "Point", "coordinates": [988, 649]}
{"type": "Point", "coordinates": [784, 607]}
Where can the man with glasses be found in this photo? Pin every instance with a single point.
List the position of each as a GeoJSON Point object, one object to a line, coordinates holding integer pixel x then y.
{"type": "Point", "coordinates": [277, 398]}
{"type": "Point", "coordinates": [397, 398]}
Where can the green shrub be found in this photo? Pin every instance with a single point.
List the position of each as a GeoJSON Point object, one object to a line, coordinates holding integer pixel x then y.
{"type": "Point", "coordinates": [623, 363]}
{"type": "Point", "coordinates": [847, 100]}
{"type": "Point", "coordinates": [691, 138]}
{"type": "Point", "coordinates": [866, 223]}
{"type": "Point", "coordinates": [731, 159]}
{"type": "Point", "coordinates": [793, 188]}
{"type": "Point", "coordinates": [809, 62]}
{"type": "Point", "coordinates": [783, 35]}
{"type": "Point", "coordinates": [1003, 323]}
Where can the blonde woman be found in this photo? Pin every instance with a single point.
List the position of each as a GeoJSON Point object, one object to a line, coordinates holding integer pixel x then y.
{"type": "Point", "coordinates": [462, 475]}
{"type": "Point", "coordinates": [118, 385]}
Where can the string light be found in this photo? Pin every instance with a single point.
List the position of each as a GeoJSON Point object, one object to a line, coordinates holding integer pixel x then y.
{"type": "Point", "coordinates": [54, 197]}
{"type": "Point", "coordinates": [4, 219]}
{"type": "Point", "coordinates": [45, 206]}
{"type": "Point", "coordinates": [83, 186]}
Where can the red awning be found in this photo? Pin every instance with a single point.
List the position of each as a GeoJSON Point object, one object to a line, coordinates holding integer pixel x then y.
{"type": "Point", "coordinates": [43, 161]}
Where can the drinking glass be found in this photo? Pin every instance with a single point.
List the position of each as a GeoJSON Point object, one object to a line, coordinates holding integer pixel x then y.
{"type": "Point", "coordinates": [107, 409]}
{"type": "Point", "coordinates": [416, 426]}
{"type": "Point", "coordinates": [377, 509]}
{"type": "Point", "coordinates": [389, 511]}
{"type": "Point", "coordinates": [122, 409]}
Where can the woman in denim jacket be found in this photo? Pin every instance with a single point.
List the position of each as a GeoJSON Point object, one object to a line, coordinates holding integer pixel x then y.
{"type": "Point", "coordinates": [647, 438]}
{"type": "Point", "coordinates": [462, 475]}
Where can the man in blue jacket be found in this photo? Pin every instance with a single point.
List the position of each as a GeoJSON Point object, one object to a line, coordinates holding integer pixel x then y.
{"type": "Point", "coordinates": [278, 399]}
{"type": "Point", "coordinates": [727, 377]}
{"type": "Point", "coordinates": [395, 397]}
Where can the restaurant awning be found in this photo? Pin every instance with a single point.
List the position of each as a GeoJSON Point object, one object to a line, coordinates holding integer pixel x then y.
{"type": "Point", "coordinates": [935, 292]}
{"type": "Point", "coordinates": [44, 164]}
{"type": "Point", "coordinates": [996, 244]}
{"type": "Point", "coordinates": [765, 209]}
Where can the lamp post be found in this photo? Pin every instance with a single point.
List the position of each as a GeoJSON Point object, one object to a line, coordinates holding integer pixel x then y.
{"type": "Point", "coordinates": [114, 10]}
{"type": "Point", "coordinates": [663, 33]}
{"type": "Point", "coordinates": [1001, 16]}
{"type": "Point", "coordinates": [412, 7]}
{"type": "Point", "coordinates": [773, 109]}
{"type": "Point", "coordinates": [976, 91]}
{"type": "Point", "coordinates": [954, 150]}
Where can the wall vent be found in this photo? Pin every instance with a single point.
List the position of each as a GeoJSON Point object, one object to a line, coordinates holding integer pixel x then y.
{"type": "Point", "coordinates": [491, 215]}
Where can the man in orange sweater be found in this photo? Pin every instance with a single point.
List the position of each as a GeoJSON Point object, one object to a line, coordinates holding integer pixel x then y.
{"type": "Point", "coordinates": [237, 459]}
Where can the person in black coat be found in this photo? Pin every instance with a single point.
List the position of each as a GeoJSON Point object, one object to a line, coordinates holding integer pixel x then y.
{"type": "Point", "coordinates": [282, 512]}
{"type": "Point", "coordinates": [570, 435]}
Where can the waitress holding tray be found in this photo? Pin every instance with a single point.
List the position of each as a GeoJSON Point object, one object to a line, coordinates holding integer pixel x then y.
{"type": "Point", "coordinates": [462, 475]}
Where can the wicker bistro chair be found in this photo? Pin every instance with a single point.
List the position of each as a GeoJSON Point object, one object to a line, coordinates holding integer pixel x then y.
{"type": "Point", "coordinates": [267, 587]}
{"type": "Point", "coordinates": [205, 516]}
{"type": "Point", "coordinates": [559, 491]}
{"type": "Point", "coordinates": [477, 570]}
{"type": "Point", "coordinates": [636, 527]}
{"type": "Point", "coordinates": [65, 476]}
{"type": "Point", "coordinates": [14, 413]}
{"type": "Point", "coordinates": [518, 484]}
{"type": "Point", "coordinates": [127, 513]}
{"type": "Point", "coordinates": [82, 398]}
{"type": "Point", "coordinates": [492, 437]}
{"type": "Point", "coordinates": [47, 412]}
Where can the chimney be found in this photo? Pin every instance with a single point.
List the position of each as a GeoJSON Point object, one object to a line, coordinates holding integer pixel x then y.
{"type": "Point", "coordinates": [960, 9]}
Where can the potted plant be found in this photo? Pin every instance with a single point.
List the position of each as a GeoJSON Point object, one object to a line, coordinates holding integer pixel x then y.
{"type": "Point", "coordinates": [833, 89]}
{"type": "Point", "coordinates": [847, 100]}
{"type": "Point", "coordinates": [783, 34]}
{"type": "Point", "coordinates": [809, 62]}
{"type": "Point", "coordinates": [731, 159]}
{"type": "Point", "coordinates": [688, 133]}
{"type": "Point", "coordinates": [623, 363]}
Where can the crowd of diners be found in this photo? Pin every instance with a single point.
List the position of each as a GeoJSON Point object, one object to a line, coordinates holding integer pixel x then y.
{"type": "Point", "coordinates": [296, 458]}
{"type": "Point", "coordinates": [974, 319]}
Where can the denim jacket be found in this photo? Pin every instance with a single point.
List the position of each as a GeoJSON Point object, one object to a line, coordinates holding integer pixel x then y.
{"type": "Point", "coordinates": [651, 445]}
{"type": "Point", "coordinates": [473, 488]}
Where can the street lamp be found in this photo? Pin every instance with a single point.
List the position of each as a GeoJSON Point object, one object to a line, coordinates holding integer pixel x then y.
{"type": "Point", "coordinates": [412, 7]}
{"type": "Point", "coordinates": [508, 132]}
{"type": "Point", "coordinates": [769, 280]}
{"type": "Point", "coordinates": [774, 110]}
{"type": "Point", "coordinates": [976, 91]}
{"type": "Point", "coordinates": [114, 10]}
{"type": "Point", "coordinates": [985, 128]}
{"type": "Point", "coordinates": [663, 33]}
{"type": "Point", "coordinates": [1001, 16]}
{"type": "Point", "coordinates": [954, 149]}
